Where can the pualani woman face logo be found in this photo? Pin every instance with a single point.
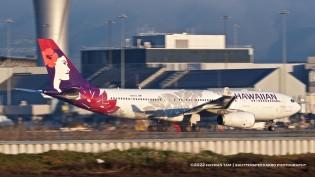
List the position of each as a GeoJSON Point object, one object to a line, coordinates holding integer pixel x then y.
{"type": "Point", "coordinates": [60, 64]}
{"type": "Point", "coordinates": [61, 72]}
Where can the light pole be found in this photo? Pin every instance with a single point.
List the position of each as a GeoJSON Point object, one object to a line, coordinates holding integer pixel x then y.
{"type": "Point", "coordinates": [225, 21]}
{"type": "Point", "coordinates": [235, 34]}
{"type": "Point", "coordinates": [122, 18]}
{"type": "Point", "coordinates": [284, 13]}
{"type": "Point", "coordinates": [109, 23]}
{"type": "Point", "coordinates": [8, 23]}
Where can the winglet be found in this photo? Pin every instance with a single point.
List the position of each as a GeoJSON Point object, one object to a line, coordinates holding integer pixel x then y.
{"type": "Point", "coordinates": [227, 91]}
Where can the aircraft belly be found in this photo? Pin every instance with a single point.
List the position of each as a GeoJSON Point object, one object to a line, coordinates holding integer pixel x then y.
{"type": "Point", "coordinates": [258, 109]}
{"type": "Point", "coordinates": [265, 111]}
{"type": "Point", "coordinates": [124, 111]}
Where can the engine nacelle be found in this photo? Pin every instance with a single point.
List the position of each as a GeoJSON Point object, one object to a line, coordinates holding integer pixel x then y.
{"type": "Point", "coordinates": [237, 119]}
{"type": "Point", "coordinates": [258, 126]}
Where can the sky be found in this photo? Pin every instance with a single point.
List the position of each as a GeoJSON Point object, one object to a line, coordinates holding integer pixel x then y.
{"type": "Point", "coordinates": [259, 23]}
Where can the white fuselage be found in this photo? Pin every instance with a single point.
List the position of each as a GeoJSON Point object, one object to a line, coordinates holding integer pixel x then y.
{"type": "Point", "coordinates": [133, 103]}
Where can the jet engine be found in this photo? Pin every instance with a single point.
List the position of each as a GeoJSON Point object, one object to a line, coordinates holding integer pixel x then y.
{"type": "Point", "coordinates": [237, 119]}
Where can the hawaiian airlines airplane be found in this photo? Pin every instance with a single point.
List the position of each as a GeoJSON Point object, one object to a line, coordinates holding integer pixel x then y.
{"type": "Point", "coordinates": [241, 109]}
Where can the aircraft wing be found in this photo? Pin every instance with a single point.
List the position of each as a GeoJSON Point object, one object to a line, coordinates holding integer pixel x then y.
{"type": "Point", "coordinates": [213, 106]}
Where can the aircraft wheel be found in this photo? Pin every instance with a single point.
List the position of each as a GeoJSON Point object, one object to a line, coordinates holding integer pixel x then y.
{"type": "Point", "coordinates": [186, 128]}
{"type": "Point", "coordinates": [271, 128]}
{"type": "Point", "coordinates": [162, 128]}
{"type": "Point", "coordinates": [152, 128]}
{"type": "Point", "coordinates": [195, 128]}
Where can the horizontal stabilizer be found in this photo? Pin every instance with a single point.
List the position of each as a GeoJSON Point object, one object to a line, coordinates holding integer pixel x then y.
{"type": "Point", "coordinates": [33, 91]}
{"type": "Point", "coordinates": [28, 90]}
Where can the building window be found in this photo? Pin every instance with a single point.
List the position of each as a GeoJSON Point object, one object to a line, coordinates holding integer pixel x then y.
{"type": "Point", "coordinates": [181, 44]}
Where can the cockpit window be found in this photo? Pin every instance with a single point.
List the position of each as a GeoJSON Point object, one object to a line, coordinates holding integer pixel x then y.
{"type": "Point", "coordinates": [292, 101]}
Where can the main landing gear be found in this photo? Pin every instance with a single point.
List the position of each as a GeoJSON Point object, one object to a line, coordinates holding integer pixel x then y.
{"type": "Point", "coordinates": [189, 127]}
{"type": "Point", "coordinates": [158, 126]}
{"type": "Point", "coordinates": [192, 122]}
{"type": "Point", "coordinates": [270, 126]}
{"type": "Point", "coordinates": [164, 126]}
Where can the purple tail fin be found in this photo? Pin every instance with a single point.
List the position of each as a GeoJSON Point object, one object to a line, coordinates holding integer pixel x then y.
{"type": "Point", "coordinates": [62, 73]}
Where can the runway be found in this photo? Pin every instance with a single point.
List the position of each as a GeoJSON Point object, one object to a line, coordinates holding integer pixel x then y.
{"type": "Point", "coordinates": [125, 134]}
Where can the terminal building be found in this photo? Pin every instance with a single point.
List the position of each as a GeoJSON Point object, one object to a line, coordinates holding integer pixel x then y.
{"type": "Point", "coordinates": [17, 61]}
{"type": "Point", "coordinates": [189, 61]}
{"type": "Point", "coordinates": [168, 50]}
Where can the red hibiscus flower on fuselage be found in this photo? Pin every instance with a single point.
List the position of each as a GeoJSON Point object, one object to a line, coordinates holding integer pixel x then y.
{"type": "Point", "coordinates": [95, 101]}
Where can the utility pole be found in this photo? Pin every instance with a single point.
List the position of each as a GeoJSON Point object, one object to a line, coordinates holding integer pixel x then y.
{"type": "Point", "coordinates": [123, 18]}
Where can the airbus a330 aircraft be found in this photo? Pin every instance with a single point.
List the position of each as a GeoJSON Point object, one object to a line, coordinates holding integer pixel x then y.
{"type": "Point", "coordinates": [241, 109]}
